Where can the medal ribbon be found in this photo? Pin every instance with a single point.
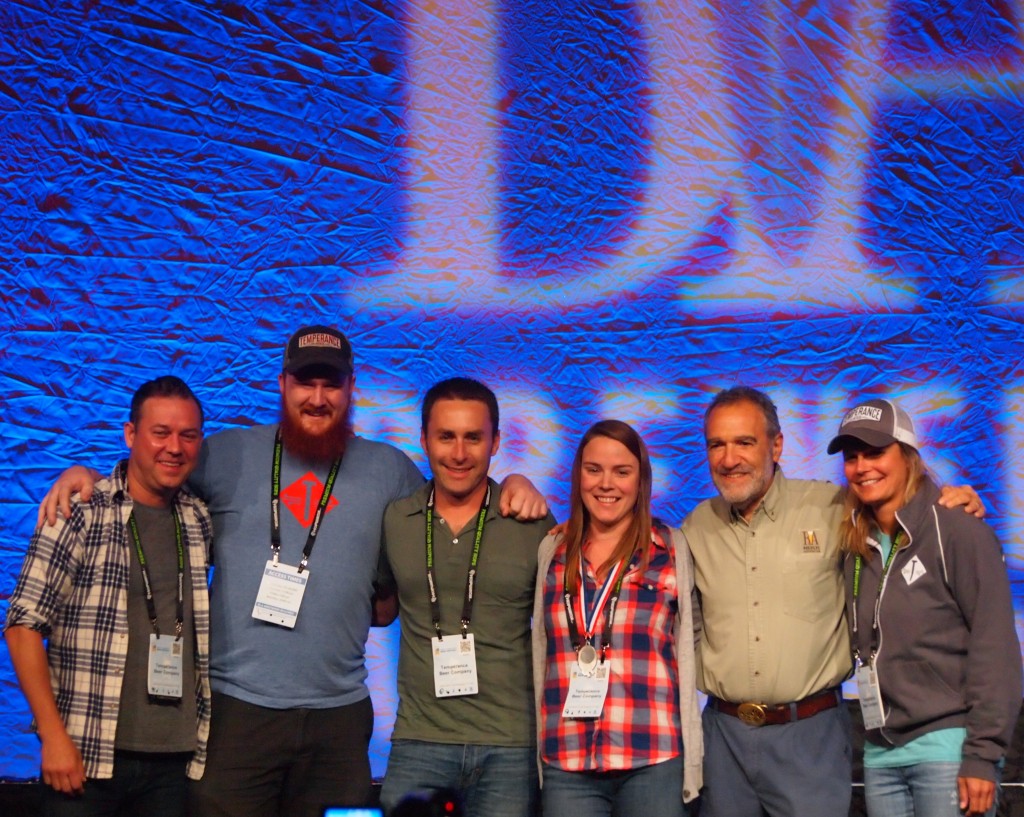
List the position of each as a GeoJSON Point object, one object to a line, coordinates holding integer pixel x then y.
{"type": "Point", "coordinates": [599, 602]}
{"type": "Point", "coordinates": [608, 596]}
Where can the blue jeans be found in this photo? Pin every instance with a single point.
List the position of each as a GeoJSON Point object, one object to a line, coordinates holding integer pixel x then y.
{"type": "Point", "coordinates": [143, 783]}
{"type": "Point", "coordinates": [493, 781]}
{"type": "Point", "coordinates": [649, 791]}
{"type": "Point", "coordinates": [924, 789]}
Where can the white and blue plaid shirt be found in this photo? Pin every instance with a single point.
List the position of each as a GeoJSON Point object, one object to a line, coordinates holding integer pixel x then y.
{"type": "Point", "coordinates": [73, 588]}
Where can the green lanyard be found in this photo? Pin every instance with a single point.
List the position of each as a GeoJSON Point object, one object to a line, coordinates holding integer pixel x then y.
{"type": "Point", "coordinates": [898, 542]}
{"type": "Point", "coordinates": [467, 600]}
{"type": "Point", "coordinates": [275, 506]}
{"type": "Point", "coordinates": [150, 604]}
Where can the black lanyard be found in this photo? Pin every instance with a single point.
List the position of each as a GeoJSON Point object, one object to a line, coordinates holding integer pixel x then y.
{"type": "Point", "coordinates": [275, 506]}
{"type": "Point", "coordinates": [150, 604]}
{"type": "Point", "coordinates": [897, 543]}
{"type": "Point", "coordinates": [600, 601]}
{"type": "Point", "coordinates": [474, 558]}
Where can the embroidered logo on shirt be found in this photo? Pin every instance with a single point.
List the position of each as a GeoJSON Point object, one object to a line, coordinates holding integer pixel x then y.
{"type": "Point", "coordinates": [811, 544]}
{"type": "Point", "coordinates": [302, 497]}
{"type": "Point", "coordinates": [913, 570]}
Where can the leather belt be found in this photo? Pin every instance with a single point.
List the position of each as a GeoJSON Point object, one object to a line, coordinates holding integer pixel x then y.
{"type": "Point", "coordinates": [755, 714]}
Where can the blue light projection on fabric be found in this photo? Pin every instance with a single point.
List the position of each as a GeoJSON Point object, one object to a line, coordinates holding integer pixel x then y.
{"type": "Point", "coordinates": [610, 211]}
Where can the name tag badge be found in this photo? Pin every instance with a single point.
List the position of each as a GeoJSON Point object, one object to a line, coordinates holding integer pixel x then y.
{"type": "Point", "coordinates": [454, 666]}
{"type": "Point", "coordinates": [163, 676]}
{"type": "Point", "coordinates": [870, 697]}
{"type": "Point", "coordinates": [586, 692]}
{"type": "Point", "coordinates": [280, 594]}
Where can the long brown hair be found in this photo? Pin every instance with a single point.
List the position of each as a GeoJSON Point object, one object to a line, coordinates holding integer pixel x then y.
{"type": "Point", "coordinates": [637, 537]}
{"type": "Point", "coordinates": [859, 519]}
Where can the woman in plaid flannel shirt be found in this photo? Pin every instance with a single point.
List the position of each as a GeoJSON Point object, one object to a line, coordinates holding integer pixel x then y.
{"type": "Point", "coordinates": [615, 623]}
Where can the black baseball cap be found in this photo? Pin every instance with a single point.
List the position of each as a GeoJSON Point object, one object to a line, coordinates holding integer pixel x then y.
{"type": "Point", "coordinates": [318, 346]}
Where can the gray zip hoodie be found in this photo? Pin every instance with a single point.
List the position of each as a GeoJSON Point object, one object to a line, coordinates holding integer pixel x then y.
{"type": "Point", "coordinates": [947, 650]}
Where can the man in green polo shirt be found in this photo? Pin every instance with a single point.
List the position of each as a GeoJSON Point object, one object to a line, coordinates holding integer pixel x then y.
{"type": "Point", "coordinates": [464, 577]}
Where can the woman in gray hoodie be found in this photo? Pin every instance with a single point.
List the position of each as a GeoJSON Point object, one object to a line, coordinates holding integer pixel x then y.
{"type": "Point", "coordinates": [936, 654]}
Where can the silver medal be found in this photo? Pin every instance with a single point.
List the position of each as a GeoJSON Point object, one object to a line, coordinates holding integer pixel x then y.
{"type": "Point", "coordinates": [586, 658]}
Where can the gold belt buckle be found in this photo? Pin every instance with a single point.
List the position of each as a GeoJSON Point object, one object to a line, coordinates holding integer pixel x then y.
{"type": "Point", "coordinates": [751, 714]}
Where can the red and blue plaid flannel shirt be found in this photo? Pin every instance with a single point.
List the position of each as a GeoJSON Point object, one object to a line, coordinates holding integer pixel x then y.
{"type": "Point", "coordinates": [639, 725]}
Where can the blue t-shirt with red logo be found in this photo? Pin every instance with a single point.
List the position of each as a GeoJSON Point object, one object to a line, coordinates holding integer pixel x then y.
{"type": "Point", "coordinates": [318, 664]}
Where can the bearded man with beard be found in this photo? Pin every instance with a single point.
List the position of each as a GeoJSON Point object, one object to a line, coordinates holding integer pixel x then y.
{"type": "Point", "coordinates": [295, 505]}
{"type": "Point", "coordinates": [297, 509]}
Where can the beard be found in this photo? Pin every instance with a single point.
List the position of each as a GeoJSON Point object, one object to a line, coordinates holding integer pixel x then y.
{"type": "Point", "coordinates": [318, 448]}
{"type": "Point", "coordinates": [741, 496]}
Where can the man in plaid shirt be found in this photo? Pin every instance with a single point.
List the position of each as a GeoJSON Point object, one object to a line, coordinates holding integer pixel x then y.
{"type": "Point", "coordinates": [121, 694]}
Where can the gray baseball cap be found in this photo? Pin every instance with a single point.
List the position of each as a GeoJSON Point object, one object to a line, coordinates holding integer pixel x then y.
{"type": "Point", "coordinates": [877, 422]}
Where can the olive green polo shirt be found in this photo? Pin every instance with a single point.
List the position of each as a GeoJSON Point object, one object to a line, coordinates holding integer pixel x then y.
{"type": "Point", "coordinates": [501, 714]}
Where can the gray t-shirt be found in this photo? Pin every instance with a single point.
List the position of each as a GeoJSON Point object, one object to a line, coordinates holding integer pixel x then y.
{"type": "Point", "coordinates": [145, 723]}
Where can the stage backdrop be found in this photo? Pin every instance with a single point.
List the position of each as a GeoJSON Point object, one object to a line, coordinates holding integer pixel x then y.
{"type": "Point", "coordinates": [604, 209]}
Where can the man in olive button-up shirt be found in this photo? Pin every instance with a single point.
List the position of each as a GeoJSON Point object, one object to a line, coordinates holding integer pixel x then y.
{"type": "Point", "coordinates": [766, 556]}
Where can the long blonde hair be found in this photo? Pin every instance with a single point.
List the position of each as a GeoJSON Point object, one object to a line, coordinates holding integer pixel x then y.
{"type": "Point", "coordinates": [859, 519]}
{"type": "Point", "coordinates": [637, 537]}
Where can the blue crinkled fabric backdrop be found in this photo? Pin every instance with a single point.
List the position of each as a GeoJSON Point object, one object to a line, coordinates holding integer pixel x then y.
{"type": "Point", "coordinates": [609, 209]}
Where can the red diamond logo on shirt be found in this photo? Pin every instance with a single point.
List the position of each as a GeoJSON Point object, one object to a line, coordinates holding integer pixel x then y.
{"type": "Point", "coordinates": [302, 497]}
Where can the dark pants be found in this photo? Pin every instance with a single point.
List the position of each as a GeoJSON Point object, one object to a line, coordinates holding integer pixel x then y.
{"type": "Point", "coordinates": [800, 769]}
{"type": "Point", "coordinates": [283, 762]}
{"type": "Point", "coordinates": [146, 783]}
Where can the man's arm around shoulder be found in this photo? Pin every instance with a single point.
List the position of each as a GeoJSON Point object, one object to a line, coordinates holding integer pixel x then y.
{"type": "Point", "coordinates": [76, 479]}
